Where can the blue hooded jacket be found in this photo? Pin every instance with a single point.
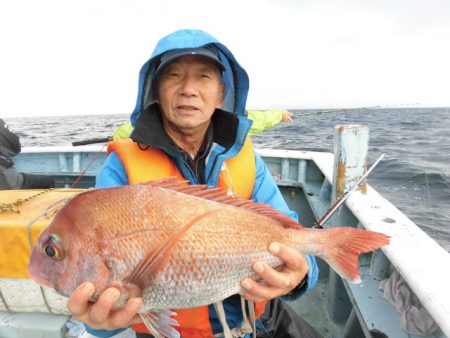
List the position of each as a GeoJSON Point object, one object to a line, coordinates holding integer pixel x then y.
{"type": "Point", "coordinates": [265, 189]}
{"type": "Point", "coordinates": [235, 77]}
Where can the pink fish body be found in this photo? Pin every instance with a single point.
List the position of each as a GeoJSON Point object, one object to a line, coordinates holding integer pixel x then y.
{"type": "Point", "coordinates": [177, 246]}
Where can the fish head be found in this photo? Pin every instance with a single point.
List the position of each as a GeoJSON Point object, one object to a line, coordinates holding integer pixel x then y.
{"type": "Point", "coordinates": [68, 253]}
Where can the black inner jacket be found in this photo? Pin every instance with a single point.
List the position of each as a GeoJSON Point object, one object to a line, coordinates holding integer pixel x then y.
{"type": "Point", "coordinates": [149, 132]}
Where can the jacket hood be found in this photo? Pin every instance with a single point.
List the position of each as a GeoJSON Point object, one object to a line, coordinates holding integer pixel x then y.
{"type": "Point", "coordinates": [234, 76]}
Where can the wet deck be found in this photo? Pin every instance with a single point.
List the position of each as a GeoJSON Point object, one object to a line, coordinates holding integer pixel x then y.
{"type": "Point", "coordinates": [312, 307]}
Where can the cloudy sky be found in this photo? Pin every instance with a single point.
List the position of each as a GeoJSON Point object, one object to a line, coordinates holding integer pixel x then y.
{"type": "Point", "coordinates": [83, 57]}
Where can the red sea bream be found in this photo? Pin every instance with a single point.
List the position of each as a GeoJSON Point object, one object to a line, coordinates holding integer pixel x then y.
{"type": "Point", "coordinates": [176, 245]}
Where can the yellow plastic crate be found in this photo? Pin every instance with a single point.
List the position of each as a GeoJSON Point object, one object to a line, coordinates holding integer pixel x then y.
{"type": "Point", "coordinates": [16, 233]}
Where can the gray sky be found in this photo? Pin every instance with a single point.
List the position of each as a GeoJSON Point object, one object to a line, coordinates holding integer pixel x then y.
{"type": "Point", "coordinates": [83, 57]}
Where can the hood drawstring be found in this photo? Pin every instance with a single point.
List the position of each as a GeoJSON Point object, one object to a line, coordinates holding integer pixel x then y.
{"type": "Point", "coordinates": [231, 191]}
{"type": "Point", "coordinates": [247, 326]}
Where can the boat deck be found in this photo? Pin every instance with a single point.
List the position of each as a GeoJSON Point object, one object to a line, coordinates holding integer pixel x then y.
{"type": "Point", "coordinates": [312, 307]}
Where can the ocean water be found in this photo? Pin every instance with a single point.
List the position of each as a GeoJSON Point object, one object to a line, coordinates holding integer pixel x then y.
{"type": "Point", "coordinates": [414, 175]}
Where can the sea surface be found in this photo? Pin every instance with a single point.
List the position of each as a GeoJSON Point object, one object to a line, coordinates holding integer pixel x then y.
{"type": "Point", "coordinates": [414, 175]}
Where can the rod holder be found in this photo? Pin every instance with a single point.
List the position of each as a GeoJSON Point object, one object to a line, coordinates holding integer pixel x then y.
{"type": "Point", "coordinates": [350, 157]}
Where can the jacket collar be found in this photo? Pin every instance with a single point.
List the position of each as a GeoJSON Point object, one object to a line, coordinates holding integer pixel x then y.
{"type": "Point", "coordinates": [149, 131]}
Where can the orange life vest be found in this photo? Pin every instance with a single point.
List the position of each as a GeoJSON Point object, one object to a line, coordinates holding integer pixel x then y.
{"type": "Point", "coordinates": [238, 175]}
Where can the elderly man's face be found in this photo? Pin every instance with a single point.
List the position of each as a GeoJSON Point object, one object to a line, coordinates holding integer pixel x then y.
{"type": "Point", "coordinates": [189, 92]}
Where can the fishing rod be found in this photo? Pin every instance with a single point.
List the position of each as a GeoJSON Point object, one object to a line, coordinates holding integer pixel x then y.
{"type": "Point", "coordinates": [103, 140]}
{"type": "Point", "coordinates": [92, 141]}
{"type": "Point", "coordinates": [319, 224]}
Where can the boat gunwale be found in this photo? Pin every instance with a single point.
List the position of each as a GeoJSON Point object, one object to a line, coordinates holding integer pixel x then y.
{"type": "Point", "coordinates": [408, 242]}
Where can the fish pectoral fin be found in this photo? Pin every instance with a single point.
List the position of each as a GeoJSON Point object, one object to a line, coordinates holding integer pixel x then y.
{"type": "Point", "coordinates": [160, 322]}
{"type": "Point", "coordinates": [130, 290]}
{"type": "Point", "coordinates": [160, 256]}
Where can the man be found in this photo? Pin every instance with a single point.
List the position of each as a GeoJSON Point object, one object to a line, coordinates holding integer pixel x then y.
{"type": "Point", "coordinates": [10, 178]}
{"type": "Point", "coordinates": [266, 119]}
{"type": "Point", "coordinates": [189, 121]}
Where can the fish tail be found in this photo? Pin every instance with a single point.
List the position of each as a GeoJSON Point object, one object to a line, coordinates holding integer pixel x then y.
{"type": "Point", "coordinates": [341, 247]}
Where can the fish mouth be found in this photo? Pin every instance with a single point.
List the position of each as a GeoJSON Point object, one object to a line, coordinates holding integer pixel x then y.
{"type": "Point", "coordinates": [45, 283]}
{"type": "Point", "coordinates": [35, 268]}
{"type": "Point", "coordinates": [39, 280]}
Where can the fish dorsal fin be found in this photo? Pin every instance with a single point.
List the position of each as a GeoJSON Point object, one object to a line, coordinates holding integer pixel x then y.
{"type": "Point", "coordinates": [220, 195]}
{"type": "Point", "coordinates": [155, 260]}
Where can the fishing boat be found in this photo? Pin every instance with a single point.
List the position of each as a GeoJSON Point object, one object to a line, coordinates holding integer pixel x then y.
{"type": "Point", "coordinates": [310, 182]}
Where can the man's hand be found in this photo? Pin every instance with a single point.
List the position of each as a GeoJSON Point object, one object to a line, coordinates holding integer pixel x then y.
{"type": "Point", "coordinates": [279, 283]}
{"type": "Point", "coordinates": [101, 314]}
{"type": "Point", "coordinates": [286, 116]}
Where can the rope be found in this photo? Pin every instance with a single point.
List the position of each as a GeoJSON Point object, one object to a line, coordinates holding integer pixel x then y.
{"type": "Point", "coordinates": [11, 207]}
{"type": "Point", "coordinates": [44, 297]}
{"type": "Point", "coordinates": [230, 179]}
{"type": "Point", "coordinates": [53, 208]}
{"type": "Point", "coordinates": [247, 326]}
{"type": "Point", "coordinates": [222, 318]}
{"type": "Point", "coordinates": [4, 301]}
{"type": "Point", "coordinates": [251, 310]}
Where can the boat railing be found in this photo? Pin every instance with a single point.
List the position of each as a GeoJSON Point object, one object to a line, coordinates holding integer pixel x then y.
{"type": "Point", "coordinates": [419, 259]}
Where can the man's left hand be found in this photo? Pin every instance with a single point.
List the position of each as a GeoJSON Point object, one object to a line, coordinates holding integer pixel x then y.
{"type": "Point", "coordinates": [286, 116]}
{"type": "Point", "coordinates": [279, 283]}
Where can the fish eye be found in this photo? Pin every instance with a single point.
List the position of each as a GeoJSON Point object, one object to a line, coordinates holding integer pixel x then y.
{"type": "Point", "coordinates": [50, 248]}
{"type": "Point", "coordinates": [50, 251]}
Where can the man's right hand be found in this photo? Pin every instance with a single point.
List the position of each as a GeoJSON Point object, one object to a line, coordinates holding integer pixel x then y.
{"type": "Point", "coordinates": [102, 314]}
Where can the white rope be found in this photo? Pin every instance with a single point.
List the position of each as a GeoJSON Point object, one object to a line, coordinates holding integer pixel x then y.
{"type": "Point", "coordinates": [251, 310]}
{"type": "Point", "coordinates": [245, 322]}
{"type": "Point", "coordinates": [247, 326]}
{"type": "Point", "coordinates": [223, 320]}
{"type": "Point", "coordinates": [47, 213]}
{"type": "Point", "coordinates": [232, 190]}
